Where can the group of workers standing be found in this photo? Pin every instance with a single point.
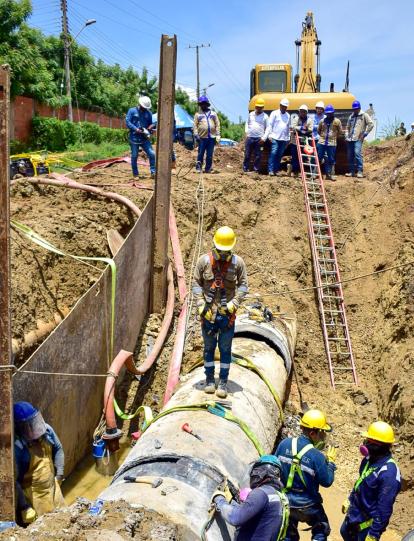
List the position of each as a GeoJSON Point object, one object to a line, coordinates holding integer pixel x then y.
{"type": "Point", "coordinates": [280, 129]}
{"type": "Point", "coordinates": [284, 487]}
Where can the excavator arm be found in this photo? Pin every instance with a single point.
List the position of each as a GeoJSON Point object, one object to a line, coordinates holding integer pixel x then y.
{"type": "Point", "coordinates": [308, 78]}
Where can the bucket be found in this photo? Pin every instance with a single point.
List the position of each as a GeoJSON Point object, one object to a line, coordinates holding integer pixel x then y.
{"type": "Point", "coordinates": [98, 448]}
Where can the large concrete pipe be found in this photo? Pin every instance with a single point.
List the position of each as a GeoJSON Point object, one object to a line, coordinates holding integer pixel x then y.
{"type": "Point", "coordinates": [191, 469]}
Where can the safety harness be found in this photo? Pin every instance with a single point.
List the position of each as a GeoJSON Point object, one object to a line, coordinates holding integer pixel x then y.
{"type": "Point", "coordinates": [295, 466]}
{"type": "Point", "coordinates": [365, 473]}
{"type": "Point", "coordinates": [285, 516]}
{"type": "Point", "coordinates": [220, 269]}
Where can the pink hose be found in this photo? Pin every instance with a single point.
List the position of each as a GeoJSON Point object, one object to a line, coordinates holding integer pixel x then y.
{"type": "Point", "coordinates": [123, 358]}
{"type": "Point", "coordinates": [178, 351]}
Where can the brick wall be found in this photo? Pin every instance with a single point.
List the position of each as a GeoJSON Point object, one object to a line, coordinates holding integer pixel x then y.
{"type": "Point", "coordinates": [23, 109]}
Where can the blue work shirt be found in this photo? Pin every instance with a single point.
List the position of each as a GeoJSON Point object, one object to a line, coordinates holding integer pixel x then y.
{"type": "Point", "coordinates": [259, 518]}
{"type": "Point", "coordinates": [315, 468]}
{"type": "Point", "coordinates": [138, 118]}
{"type": "Point", "coordinates": [316, 120]}
{"type": "Point", "coordinates": [376, 495]}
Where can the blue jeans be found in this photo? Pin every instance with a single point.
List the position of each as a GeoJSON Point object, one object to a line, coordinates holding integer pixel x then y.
{"type": "Point", "coordinates": [330, 152]}
{"type": "Point", "coordinates": [350, 532]}
{"type": "Point", "coordinates": [314, 516]}
{"type": "Point", "coordinates": [276, 153]}
{"type": "Point", "coordinates": [295, 158]}
{"type": "Point", "coordinates": [147, 148]}
{"type": "Point", "coordinates": [252, 146]}
{"type": "Point", "coordinates": [218, 332]}
{"type": "Point", "coordinates": [205, 146]}
{"type": "Point", "coordinates": [355, 162]}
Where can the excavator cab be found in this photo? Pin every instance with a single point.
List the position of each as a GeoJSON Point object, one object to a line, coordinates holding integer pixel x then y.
{"type": "Point", "coordinates": [270, 78]}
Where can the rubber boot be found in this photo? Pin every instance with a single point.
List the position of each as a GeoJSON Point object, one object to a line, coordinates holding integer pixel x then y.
{"type": "Point", "coordinates": [210, 386]}
{"type": "Point", "coordinates": [222, 389]}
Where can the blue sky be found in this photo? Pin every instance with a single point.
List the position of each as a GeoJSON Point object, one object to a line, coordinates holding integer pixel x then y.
{"type": "Point", "coordinates": [375, 35]}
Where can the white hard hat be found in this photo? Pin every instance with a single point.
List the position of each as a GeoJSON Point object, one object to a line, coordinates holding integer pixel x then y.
{"type": "Point", "coordinates": [304, 108]}
{"type": "Point", "coordinates": [320, 104]}
{"type": "Point", "coordinates": [284, 102]}
{"type": "Point", "coordinates": [145, 102]}
{"type": "Point", "coordinates": [412, 123]}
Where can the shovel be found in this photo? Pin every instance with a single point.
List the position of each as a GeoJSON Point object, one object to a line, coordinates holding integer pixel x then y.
{"type": "Point", "coordinates": [154, 482]}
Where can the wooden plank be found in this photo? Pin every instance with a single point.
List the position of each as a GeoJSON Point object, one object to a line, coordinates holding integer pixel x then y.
{"type": "Point", "coordinates": [7, 497]}
{"type": "Point", "coordinates": [115, 240]}
{"type": "Point", "coordinates": [165, 125]}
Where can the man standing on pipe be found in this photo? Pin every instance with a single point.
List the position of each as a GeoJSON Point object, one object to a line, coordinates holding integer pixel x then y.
{"type": "Point", "coordinates": [40, 463]}
{"type": "Point", "coordinates": [263, 516]}
{"type": "Point", "coordinates": [219, 287]}
{"type": "Point", "coordinates": [304, 469]}
{"type": "Point", "coordinates": [369, 506]}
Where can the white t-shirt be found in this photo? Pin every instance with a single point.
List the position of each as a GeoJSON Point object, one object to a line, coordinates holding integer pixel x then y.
{"type": "Point", "coordinates": [256, 125]}
{"type": "Point", "coordinates": [278, 128]}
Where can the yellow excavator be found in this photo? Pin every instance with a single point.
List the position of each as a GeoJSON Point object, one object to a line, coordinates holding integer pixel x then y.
{"type": "Point", "coordinates": [272, 82]}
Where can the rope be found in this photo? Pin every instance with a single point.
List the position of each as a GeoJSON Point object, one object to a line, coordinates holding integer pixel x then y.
{"type": "Point", "coordinates": [311, 288]}
{"type": "Point", "coordinates": [81, 375]}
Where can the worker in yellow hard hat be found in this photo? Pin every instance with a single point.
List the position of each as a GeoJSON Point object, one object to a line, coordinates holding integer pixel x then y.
{"type": "Point", "coordinates": [369, 506]}
{"type": "Point", "coordinates": [304, 469]}
{"type": "Point", "coordinates": [255, 129]}
{"type": "Point", "coordinates": [219, 287]}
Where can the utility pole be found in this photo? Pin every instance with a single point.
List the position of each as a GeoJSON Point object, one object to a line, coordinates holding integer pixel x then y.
{"type": "Point", "coordinates": [162, 192]}
{"type": "Point", "coordinates": [197, 48]}
{"type": "Point", "coordinates": [7, 494]}
{"type": "Point", "coordinates": [66, 52]}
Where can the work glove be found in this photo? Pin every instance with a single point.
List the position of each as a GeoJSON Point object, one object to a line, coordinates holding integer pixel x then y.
{"type": "Point", "coordinates": [331, 454]}
{"type": "Point", "coordinates": [208, 315]}
{"type": "Point", "coordinates": [231, 307]}
{"type": "Point", "coordinates": [59, 479]}
{"type": "Point", "coordinates": [345, 506]}
{"type": "Point", "coordinates": [370, 538]}
{"type": "Point", "coordinates": [224, 491]}
{"type": "Point", "coordinates": [218, 139]}
{"type": "Point", "coordinates": [29, 515]}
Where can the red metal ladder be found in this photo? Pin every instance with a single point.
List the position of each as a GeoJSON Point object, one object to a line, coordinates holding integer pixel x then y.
{"type": "Point", "coordinates": [326, 270]}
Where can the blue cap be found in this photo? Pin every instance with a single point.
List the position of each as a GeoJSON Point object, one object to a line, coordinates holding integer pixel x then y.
{"type": "Point", "coordinates": [329, 109]}
{"type": "Point", "coordinates": [24, 411]}
{"type": "Point", "coordinates": [203, 99]}
{"type": "Point", "coordinates": [355, 105]}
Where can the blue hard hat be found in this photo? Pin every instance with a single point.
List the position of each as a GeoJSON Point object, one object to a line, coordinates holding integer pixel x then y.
{"type": "Point", "coordinates": [203, 99]}
{"type": "Point", "coordinates": [329, 109]}
{"type": "Point", "coordinates": [24, 411]}
{"type": "Point", "coordinates": [270, 459]}
{"type": "Point", "coordinates": [355, 105]}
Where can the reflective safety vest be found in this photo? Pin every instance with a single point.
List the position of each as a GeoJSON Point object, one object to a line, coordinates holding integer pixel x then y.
{"type": "Point", "coordinates": [365, 473]}
{"type": "Point", "coordinates": [295, 466]}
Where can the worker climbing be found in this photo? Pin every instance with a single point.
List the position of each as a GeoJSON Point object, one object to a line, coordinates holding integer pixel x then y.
{"type": "Point", "coordinates": [40, 464]}
{"type": "Point", "coordinates": [264, 515]}
{"type": "Point", "coordinates": [304, 468]}
{"type": "Point", "coordinates": [220, 285]}
{"type": "Point", "coordinates": [369, 506]}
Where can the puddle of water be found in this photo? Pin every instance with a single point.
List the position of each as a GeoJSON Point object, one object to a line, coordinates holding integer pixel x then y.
{"type": "Point", "coordinates": [85, 481]}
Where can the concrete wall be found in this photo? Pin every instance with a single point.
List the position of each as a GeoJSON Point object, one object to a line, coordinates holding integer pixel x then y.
{"type": "Point", "coordinates": [73, 405]}
{"type": "Point", "coordinates": [23, 109]}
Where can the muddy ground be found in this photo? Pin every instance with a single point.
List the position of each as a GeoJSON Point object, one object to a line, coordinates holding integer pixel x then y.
{"type": "Point", "coordinates": [373, 223]}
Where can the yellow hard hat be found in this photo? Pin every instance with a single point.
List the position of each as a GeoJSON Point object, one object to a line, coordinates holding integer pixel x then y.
{"type": "Point", "coordinates": [380, 431]}
{"type": "Point", "coordinates": [315, 419]}
{"type": "Point", "coordinates": [224, 238]}
{"type": "Point", "coordinates": [260, 102]}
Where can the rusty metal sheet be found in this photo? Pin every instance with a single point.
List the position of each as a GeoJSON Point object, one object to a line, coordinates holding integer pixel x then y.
{"type": "Point", "coordinates": [73, 405]}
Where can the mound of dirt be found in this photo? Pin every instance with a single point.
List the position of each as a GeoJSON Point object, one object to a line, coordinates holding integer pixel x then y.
{"type": "Point", "coordinates": [116, 522]}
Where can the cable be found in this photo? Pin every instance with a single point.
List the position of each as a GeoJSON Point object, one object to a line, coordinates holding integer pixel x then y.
{"type": "Point", "coordinates": [354, 278]}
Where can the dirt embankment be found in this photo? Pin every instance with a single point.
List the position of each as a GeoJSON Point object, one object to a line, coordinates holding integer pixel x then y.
{"type": "Point", "coordinates": [373, 224]}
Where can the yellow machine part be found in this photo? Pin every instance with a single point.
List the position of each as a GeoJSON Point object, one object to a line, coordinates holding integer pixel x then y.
{"type": "Point", "coordinates": [342, 101]}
